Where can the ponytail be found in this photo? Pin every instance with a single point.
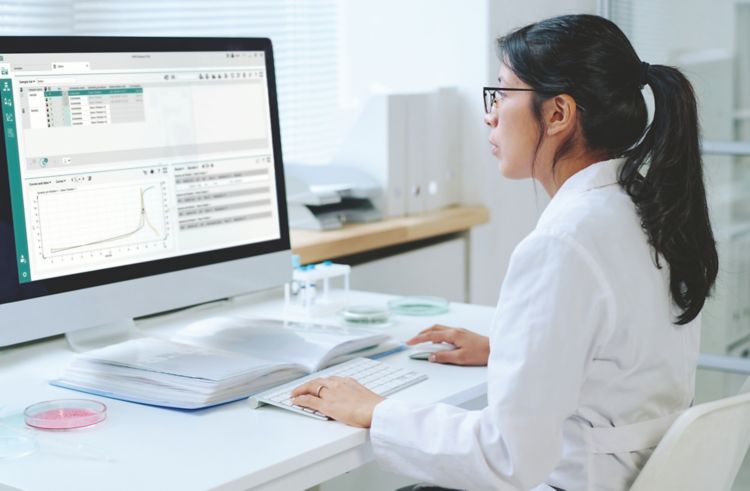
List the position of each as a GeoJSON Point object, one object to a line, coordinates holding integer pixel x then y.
{"type": "Point", "coordinates": [589, 58]}
{"type": "Point", "coordinates": [663, 174]}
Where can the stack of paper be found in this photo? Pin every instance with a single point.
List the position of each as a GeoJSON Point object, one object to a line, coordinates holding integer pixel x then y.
{"type": "Point", "coordinates": [216, 361]}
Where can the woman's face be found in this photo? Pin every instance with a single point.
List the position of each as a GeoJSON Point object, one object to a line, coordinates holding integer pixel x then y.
{"type": "Point", "coordinates": [514, 128]}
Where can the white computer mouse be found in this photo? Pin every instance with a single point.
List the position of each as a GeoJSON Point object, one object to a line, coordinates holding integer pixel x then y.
{"type": "Point", "coordinates": [422, 351]}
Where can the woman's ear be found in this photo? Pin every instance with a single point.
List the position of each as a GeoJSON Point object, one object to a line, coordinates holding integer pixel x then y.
{"type": "Point", "coordinates": [560, 114]}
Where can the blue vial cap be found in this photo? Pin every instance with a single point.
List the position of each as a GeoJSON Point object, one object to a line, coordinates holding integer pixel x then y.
{"type": "Point", "coordinates": [296, 261]}
{"type": "Point", "coordinates": [327, 263]}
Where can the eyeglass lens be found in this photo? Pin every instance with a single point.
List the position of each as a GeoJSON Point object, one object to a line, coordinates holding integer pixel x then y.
{"type": "Point", "coordinates": [489, 100]}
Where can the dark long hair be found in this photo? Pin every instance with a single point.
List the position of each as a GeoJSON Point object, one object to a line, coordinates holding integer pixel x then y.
{"type": "Point", "coordinates": [589, 58]}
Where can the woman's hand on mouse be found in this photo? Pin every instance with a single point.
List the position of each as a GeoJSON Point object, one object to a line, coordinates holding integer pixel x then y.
{"type": "Point", "coordinates": [471, 348]}
{"type": "Point", "coordinates": [341, 398]}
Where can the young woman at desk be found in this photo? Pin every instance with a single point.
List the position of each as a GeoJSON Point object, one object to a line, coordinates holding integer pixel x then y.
{"type": "Point", "coordinates": [593, 348]}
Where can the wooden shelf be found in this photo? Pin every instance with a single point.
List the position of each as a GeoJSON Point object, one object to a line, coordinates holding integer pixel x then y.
{"type": "Point", "coordinates": [314, 246]}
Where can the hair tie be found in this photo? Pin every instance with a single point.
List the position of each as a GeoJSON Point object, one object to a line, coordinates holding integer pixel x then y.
{"type": "Point", "coordinates": [643, 78]}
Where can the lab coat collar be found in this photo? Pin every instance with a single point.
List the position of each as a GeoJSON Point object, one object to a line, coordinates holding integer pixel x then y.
{"type": "Point", "coordinates": [594, 176]}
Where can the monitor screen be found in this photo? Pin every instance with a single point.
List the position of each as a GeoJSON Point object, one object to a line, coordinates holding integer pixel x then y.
{"type": "Point", "coordinates": [132, 157]}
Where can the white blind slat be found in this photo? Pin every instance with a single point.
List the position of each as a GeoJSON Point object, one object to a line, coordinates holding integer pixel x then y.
{"type": "Point", "coordinates": [304, 35]}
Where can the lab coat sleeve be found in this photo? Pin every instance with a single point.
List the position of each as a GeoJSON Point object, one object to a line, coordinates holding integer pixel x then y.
{"type": "Point", "coordinates": [555, 310]}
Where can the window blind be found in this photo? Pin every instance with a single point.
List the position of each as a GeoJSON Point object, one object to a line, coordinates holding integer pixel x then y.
{"type": "Point", "coordinates": [642, 22]}
{"type": "Point", "coordinates": [36, 17]}
{"type": "Point", "coordinates": [304, 36]}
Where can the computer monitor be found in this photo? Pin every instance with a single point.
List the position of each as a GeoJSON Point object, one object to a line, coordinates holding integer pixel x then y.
{"type": "Point", "coordinates": [139, 175]}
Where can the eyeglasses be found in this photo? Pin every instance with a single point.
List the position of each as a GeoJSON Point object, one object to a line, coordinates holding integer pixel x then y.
{"type": "Point", "coordinates": [493, 94]}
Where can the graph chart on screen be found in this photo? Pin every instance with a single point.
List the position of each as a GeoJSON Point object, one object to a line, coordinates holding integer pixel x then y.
{"type": "Point", "coordinates": [91, 223]}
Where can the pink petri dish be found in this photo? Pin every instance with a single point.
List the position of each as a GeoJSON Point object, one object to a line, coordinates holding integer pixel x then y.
{"type": "Point", "coordinates": [65, 414]}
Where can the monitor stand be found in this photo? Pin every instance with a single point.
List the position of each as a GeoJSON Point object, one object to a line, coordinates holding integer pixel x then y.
{"type": "Point", "coordinates": [101, 336]}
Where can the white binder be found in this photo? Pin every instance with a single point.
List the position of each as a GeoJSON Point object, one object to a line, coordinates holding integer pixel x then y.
{"type": "Point", "coordinates": [376, 144]}
{"type": "Point", "coordinates": [410, 142]}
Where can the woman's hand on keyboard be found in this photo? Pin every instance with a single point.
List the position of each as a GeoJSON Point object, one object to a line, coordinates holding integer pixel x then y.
{"type": "Point", "coordinates": [341, 398]}
{"type": "Point", "coordinates": [471, 348]}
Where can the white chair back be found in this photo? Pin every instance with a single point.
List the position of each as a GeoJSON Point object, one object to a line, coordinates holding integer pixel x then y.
{"type": "Point", "coordinates": [703, 449]}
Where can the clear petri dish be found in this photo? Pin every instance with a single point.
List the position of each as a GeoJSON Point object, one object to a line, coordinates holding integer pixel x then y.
{"type": "Point", "coordinates": [65, 414]}
{"type": "Point", "coordinates": [419, 305]}
{"type": "Point", "coordinates": [366, 315]}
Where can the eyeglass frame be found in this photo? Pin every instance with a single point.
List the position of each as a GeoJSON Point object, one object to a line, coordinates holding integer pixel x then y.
{"type": "Point", "coordinates": [492, 91]}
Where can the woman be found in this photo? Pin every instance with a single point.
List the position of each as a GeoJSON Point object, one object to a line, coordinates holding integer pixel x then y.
{"type": "Point", "coordinates": [593, 348]}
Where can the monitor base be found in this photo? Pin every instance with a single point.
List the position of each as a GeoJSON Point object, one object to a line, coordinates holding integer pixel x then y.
{"type": "Point", "coordinates": [101, 336]}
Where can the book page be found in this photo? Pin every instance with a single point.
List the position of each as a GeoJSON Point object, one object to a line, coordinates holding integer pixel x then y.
{"type": "Point", "coordinates": [170, 357]}
{"type": "Point", "coordinates": [308, 344]}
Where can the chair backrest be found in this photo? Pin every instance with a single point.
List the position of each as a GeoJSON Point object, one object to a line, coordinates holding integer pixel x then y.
{"type": "Point", "coordinates": [703, 449]}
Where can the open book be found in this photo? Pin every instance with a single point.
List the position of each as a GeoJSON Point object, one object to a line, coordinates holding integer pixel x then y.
{"type": "Point", "coordinates": [217, 360]}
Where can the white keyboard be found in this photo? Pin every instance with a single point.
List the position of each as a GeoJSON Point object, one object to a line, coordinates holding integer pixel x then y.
{"type": "Point", "coordinates": [376, 376]}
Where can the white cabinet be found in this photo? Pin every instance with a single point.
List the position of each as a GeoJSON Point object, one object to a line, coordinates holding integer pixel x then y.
{"type": "Point", "coordinates": [438, 270]}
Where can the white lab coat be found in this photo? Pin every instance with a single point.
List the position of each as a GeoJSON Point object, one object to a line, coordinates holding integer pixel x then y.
{"type": "Point", "coordinates": [586, 371]}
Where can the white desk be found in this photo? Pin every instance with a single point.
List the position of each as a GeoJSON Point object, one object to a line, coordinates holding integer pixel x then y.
{"type": "Point", "coordinates": [230, 447]}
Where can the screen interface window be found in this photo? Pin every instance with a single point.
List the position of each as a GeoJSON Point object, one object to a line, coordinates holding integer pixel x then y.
{"type": "Point", "coordinates": [122, 158]}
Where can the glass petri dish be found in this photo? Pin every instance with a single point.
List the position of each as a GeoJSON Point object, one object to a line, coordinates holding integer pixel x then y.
{"type": "Point", "coordinates": [366, 315]}
{"type": "Point", "coordinates": [419, 305]}
{"type": "Point", "coordinates": [65, 414]}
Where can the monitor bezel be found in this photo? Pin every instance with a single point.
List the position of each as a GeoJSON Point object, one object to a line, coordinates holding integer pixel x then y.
{"type": "Point", "coordinates": [96, 44]}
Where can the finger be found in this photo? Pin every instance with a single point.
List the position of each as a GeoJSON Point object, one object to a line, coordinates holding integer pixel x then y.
{"type": "Point", "coordinates": [429, 331]}
{"type": "Point", "coordinates": [309, 387]}
{"type": "Point", "coordinates": [447, 336]}
{"type": "Point", "coordinates": [453, 356]}
{"type": "Point", "coordinates": [437, 327]}
{"type": "Point", "coordinates": [309, 401]}
{"type": "Point", "coordinates": [434, 327]}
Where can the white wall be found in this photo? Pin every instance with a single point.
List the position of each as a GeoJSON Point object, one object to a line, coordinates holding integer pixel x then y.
{"type": "Point", "coordinates": [435, 270]}
{"type": "Point", "coordinates": [415, 45]}
{"type": "Point", "coordinates": [419, 44]}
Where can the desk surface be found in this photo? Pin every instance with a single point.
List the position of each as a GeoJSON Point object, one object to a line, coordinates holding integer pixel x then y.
{"type": "Point", "coordinates": [227, 447]}
{"type": "Point", "coordinates": [314, 246]}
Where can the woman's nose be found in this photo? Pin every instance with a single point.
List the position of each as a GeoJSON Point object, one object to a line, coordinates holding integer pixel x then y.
{"type": "Point", "coordinates": [490, 119]}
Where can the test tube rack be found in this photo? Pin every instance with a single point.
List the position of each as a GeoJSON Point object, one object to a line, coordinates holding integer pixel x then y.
{"type": "Point", "coordinates": [310, 293]}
